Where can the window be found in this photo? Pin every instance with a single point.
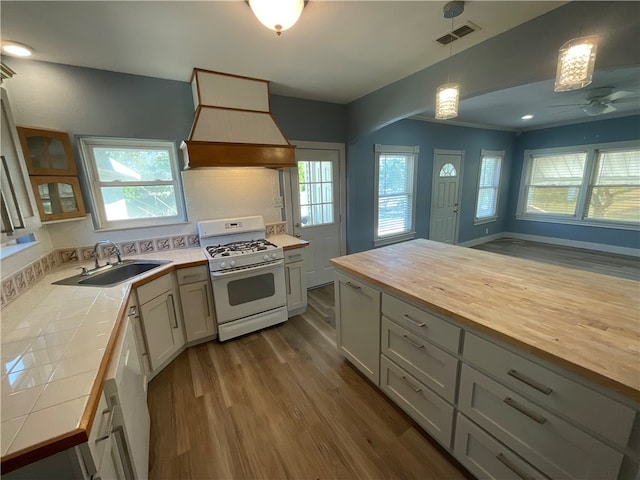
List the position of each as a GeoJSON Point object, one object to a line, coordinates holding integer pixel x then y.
{"type": "Point", "coordinates": [591, 185]}
{"type": "Point", "coordinates": [614, 194]}
{"type": "Point", "coordinates": [315, 188]}
{"type": "Point", "coordinates": [488, 186]}
{"type": "Point", "coordinates": [134, 183]}
{"type": "Point", "coordinates": [395, 198]}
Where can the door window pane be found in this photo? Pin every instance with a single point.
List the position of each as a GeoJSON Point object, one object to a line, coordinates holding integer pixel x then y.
{"type": "Point", "coordinates": [315, 190]}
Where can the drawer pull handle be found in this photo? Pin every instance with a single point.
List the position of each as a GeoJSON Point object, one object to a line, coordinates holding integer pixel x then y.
{"type": "Point", "coordinates": [529, 381]}
{"type": "Point", "coordinates": [355, 287]}
{"type": "Point", "coordinates": [524, 410]}
{"type": "Point", "coordinates": [289, 257]}
{"type": "Point", "coordinates": [514, 468]}
{"type": "Point", "coordinates": [415, 322]}
{"type": "Point", "coordinates": [417, 345]}
{"type": "Point", "coordinates": [413, 387]}
{"type": "Point", "coordinates": [107, 433]}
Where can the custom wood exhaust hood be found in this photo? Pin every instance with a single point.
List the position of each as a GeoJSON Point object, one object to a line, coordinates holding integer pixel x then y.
{"type": "Point", "coordinates": [233, 126]}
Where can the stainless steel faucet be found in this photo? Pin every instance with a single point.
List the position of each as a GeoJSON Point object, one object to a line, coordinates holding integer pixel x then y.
{"type": "Point", "coordinates": [108, 242]}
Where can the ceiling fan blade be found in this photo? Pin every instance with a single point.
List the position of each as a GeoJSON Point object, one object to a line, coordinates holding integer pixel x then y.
{"type": "Point", "coordinates": [609, 109]}
{"type": "Point", "coordinates": [617, 96]}
{"type": "Point", "coordinates": [569, 105]}
{"type": "Point", "coordinates": [630, 98]}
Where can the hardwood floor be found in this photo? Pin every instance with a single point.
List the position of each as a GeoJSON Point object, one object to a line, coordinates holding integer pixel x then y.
{"type": "Point", "coordinates": [599, 262]}
{"type": "Point", "coordinates": [281, 403]}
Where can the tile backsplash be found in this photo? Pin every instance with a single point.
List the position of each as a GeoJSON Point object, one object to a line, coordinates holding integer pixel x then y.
{"type": "Point", "coordinates": [19, 282]}
{"type": "Point", "coordinates": [276, 228]}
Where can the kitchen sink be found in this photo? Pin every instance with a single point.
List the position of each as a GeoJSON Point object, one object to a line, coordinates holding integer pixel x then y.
{"type": "Point", "coordinates": [111, 275]}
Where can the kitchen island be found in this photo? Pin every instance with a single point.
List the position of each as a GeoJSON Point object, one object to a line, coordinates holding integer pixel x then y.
{"type": "Point", "coordinates": [479, 312]}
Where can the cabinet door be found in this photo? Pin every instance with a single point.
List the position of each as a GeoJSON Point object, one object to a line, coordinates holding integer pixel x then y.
{"type": "Point", "coordinates": [358, 325]}
{"type": "Point", "coordinates": [197, 310]}
{"type": "Point", "coordinates": [58, 197]}
{"type": "Point", "coordinates": [47, 152]}
{"type": "Point", "coordinates": [161, 328]}
{"type": "Point", "coordinates": [296, 288]}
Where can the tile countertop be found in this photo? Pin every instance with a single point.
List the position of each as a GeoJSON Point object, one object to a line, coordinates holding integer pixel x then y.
{"type": "Point", "coordinates": [287, 242]}
{"type": "Point", "coordinates": [53, 343]}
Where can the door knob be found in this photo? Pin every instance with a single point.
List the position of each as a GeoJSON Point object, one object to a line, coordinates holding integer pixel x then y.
{"type": "Point", "coordinates": [297, 225]}
{"type": "Point", "coordinates": [298, 235]}
{"type": "Point", "coordinates": [455, 210]}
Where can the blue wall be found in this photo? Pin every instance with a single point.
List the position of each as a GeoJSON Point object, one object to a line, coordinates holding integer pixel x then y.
{"type": "Point", "coordinates": [310, 120]}
{"type": "Point", "coordinates": [602, 131]}
{"type": "Point", "coordinates": [429, 136]}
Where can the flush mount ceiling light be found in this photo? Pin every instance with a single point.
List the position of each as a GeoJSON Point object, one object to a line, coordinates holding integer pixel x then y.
{"type": "Point", "coordinates": [278, 15]}
{"type": "Point", "coordinates": [16, 49]}
{"type": "Point", "coordinates": [528, 116]}
{"type": "Point", "coordinates": [448, 95]}
{"type": "Point", "coordinates": [576, 61]}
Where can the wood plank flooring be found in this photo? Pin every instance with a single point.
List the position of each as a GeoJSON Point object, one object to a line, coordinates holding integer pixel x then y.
{"type": "Point", "coordinates": [281, 403]}
{"type": "Point", "coordinates": [593, 261]}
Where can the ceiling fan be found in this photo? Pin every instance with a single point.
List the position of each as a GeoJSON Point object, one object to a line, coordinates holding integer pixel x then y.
{"type": "Point", "coordinates": [603, 100]}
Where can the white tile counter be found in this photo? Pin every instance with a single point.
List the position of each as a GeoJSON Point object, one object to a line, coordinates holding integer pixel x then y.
{"type": "Point", "coordinates": [53, 342]}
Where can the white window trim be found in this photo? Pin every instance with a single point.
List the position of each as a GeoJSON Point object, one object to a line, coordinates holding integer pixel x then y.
{"type": "Point", "coordinates": [99, 215]}
{"type": "Point", "coordinates": [493, 218]}
{"type": "Point", "coordinates": [589, 172]}
{"type": "Point", "coordinates": [411, 234]}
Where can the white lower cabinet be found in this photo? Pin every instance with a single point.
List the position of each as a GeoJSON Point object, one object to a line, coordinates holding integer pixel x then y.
{"type": "Point", "coordinates": [358, 325]}
{"type": "Point", "coordinates": [296, 279]}
{"type": "Point", "coordinates": [425, 407]}
{"type": "Point", "coordinates": [485, 457]}
{"type": "Point", "coordinates": [161, 321]}
{"type": "Point", "coordinates": [197, 307]}
{"type": "Point", "coordinates": [556, 447]}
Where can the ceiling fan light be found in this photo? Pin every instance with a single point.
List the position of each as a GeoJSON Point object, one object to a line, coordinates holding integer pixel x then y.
{"type": "Point", "coordinates": [278, 15]}
{"type": "Point", "coordinates": [447, 97]}
{"type": "Point", "coordinates": [576, 61]}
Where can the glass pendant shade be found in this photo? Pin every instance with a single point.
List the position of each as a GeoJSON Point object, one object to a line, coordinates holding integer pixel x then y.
{"type": "Point", "coordinates": [277, 15]}
{"type": "Point", "coordinates": [576, 61]}
{"type": "Point", "coordinates": [447, 97]}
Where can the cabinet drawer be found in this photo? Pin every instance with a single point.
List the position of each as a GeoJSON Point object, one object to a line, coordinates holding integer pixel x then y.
{"type": "Point", "coordinates": [614, 420]}
{"type": "Point", "coordinates": [485, 457]}
{"type": "Point", "coordinates": [552, 445]}
{"type": "Point", "coordinates": [156, 287]}
{"type": "Point", "coordinates": [421, 322]}
{"type": "Point", "coordinates": [296, 255]}
{"type": "Point", "coordinates": [429, 364]}
{"type": "Point", "coordinates": [192, 274]}
{"type": "Point", "coordinates": [425, 407]}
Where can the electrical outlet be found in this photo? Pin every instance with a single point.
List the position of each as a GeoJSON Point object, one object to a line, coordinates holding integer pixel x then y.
{"type": "Point", "coordinates": [277, 202]}
{"type": "Point", "coordinates": [486, 231]}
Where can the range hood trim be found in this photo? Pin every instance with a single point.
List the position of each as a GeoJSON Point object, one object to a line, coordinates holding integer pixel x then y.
{"type": "Point", "coordinates": [222, 154]}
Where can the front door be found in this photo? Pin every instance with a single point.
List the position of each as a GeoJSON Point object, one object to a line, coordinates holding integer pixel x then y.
{"type": "Point", "coordinates": [316, 210]}
{"type": "Point", "coordinates": [445, 196]}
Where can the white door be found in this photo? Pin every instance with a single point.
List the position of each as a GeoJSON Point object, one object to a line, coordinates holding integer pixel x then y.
{"type": "Point", "coordinates": [445, 196]}
{"type": "Point", "coordinates": [316, 210]}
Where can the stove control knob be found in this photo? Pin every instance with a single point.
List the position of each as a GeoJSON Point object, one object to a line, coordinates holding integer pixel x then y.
{"type": "Point", "coordinates": [232, 263]}
{"type": "Point", "coordinates": [223, 265]}
{"type": "Point", "coordinates": [273, 255]}
{"type": "Point", "coordinates": [266, 258]}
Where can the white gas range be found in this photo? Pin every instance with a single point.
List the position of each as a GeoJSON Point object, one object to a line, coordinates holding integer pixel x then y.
{"type": "Point", "coordinates": [247, 275]}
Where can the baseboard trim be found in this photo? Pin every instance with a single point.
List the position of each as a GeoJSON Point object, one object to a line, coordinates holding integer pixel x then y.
{"type": "Point", "coordinates": [481, 240]}
{"type": "Point", "coordinates": [601, 247]}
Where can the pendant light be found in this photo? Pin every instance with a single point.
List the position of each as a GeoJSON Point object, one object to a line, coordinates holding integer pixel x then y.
{"type": "Point", "coordinates": [576, 61]}
{"type": "Point", "coordinates": [448, 95]}
{"type": "Point", "coordinates": [278, 15]}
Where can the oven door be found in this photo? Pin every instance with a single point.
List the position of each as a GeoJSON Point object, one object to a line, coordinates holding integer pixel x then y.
{"type": "Point", "coordinates": [241, 293]}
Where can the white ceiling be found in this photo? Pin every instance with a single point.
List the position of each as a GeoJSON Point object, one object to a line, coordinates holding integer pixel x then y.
{"type": "Point", "coordinates": [337, 52]}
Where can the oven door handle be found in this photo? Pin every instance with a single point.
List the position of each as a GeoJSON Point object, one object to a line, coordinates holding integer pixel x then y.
{"type": "Point", "coordinates": [242, 271]}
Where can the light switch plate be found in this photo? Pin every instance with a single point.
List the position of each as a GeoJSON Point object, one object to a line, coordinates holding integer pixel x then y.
{"type": "Point", "coordinates": [277, 202]}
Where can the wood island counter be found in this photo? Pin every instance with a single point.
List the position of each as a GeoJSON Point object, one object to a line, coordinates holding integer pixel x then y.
{"type": "Point", "coordinates": [563, 335]}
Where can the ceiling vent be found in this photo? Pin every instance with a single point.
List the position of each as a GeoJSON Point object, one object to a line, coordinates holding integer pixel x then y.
{"type": "Point", "coordinates": [459, 32]}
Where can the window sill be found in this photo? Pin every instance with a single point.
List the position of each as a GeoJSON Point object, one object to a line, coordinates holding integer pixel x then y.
{"type": "Point", "coordinates": [139, 226]}
{"type": "Point", "coordinates": [582, 223]}
{"type": "Point", "coordinates": [18, 245]}
{"type": "Point", "coordinates": [482, 221]}
{"type": "Point", "coordinates": [379, 242]}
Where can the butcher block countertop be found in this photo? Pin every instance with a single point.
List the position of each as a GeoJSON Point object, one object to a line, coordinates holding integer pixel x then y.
{"type": "Point", "coordinates": [587, 323]}
{"type": "Point", "coordinates": [287, 242]}
{"type": "Point", "coordinates": [56, 345]}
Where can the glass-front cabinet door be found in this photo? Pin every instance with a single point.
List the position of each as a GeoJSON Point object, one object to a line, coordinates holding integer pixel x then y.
{"type": "Point", "coordinates": [58, 197]}
{"type": "Point", "coordinates": [47, 152]}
